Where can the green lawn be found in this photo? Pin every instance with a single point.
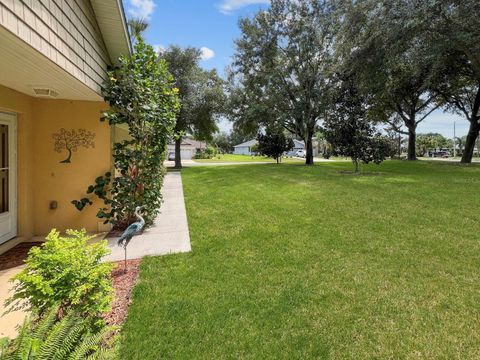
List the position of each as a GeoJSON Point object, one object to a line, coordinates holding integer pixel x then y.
{"type": "Point", "coordinates": [295, 262]}
{"type": "Point", "coordinates": [244, 158]}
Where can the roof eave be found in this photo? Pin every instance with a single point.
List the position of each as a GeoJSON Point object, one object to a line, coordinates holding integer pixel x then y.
{"type": "Point", "coordinates": [125, 27]}
{"type": "Point", "coordinates": [111, 19]}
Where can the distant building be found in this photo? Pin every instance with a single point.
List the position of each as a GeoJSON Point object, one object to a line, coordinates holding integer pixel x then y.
{"type": "Point", "coordinates": [188, 148]}
{"type": "Point", "coordinates": [246, 148]}
{"type": "Point", "coordinates": [297, 145]}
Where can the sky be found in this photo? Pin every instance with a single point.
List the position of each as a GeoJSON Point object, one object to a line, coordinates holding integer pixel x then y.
{"type": "Point", "coordinates": [212, 26]}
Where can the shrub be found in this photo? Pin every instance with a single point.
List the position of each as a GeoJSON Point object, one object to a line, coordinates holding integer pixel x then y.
{"type": "Point", "coordinates": [273, 144]}
{"type": "Point", "coordinates": [65, 271]}
{"type": "Point", "coordinates": [349, 128]}
{"type": "Point", "coordinates": [3, 347]}
{"type": "Point", "coordinates": [48, 337]}
{"type": "Point", "coordinates": [208, 153]}
{"type": "Point", "coordinates": [141, 95]}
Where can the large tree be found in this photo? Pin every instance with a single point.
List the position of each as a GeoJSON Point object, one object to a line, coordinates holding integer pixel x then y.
{"type": "Point", "coordinates": [222, 143]}
{"type": "Point", "coordinates": [200, 92]}
{"type": "Point", "coordinates": [281, 68]}
{"type": "Point", "coordinates": [386, 47]}
{"type": "Point", "coordinates": [460, 93]}
{"type": "Point", "coordinates": [454, 28]}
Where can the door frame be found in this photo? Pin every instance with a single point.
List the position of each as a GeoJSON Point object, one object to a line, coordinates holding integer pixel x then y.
{"type": "Point", "coordinates": [10, 119]}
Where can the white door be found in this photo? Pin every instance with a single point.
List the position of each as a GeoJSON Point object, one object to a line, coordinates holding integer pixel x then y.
{"type": "Point", "coordinates": [8, 177]}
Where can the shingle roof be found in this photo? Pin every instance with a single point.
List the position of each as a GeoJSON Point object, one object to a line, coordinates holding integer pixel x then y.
{"type": "Point", "coordinates": [298, 143]}
{"type": "Point", "coordinates": [247, 143]}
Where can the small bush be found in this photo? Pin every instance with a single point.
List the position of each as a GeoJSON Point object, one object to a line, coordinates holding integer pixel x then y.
{"type": "Point", "coordinates": [65, 271]}
{"type": "Point", "coordinates": [208, 153]}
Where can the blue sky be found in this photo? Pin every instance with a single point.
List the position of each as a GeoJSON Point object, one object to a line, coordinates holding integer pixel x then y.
{"type": "Point", "coordinates": [212, 26]}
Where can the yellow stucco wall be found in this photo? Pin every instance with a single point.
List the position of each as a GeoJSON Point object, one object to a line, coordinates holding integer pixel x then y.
{"type": "Point", "coordinates": [41, 177]}
{"type": "Point", "coordinates": [65, 182]}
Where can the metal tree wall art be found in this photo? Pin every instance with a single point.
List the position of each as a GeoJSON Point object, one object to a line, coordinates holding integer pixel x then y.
{"type": "Point", "coordinates": [71, 140]}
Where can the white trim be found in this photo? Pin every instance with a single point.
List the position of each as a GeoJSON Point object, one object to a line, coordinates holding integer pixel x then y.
{"type": "Point", "coordinates": [11, 216]}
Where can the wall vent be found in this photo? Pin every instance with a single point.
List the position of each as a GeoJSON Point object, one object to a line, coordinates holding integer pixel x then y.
{"type": "Point", "coordinates": [45, 92]}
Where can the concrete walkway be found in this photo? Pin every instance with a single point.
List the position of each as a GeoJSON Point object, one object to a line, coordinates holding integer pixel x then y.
{"type": "Point", "coordinates": [168, 235]}
{"type": "Point", "coordinates": [9, 322]}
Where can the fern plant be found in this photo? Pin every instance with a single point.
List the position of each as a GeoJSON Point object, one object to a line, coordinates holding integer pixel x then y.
{"type": "Point", "coordinates": [68, 338]}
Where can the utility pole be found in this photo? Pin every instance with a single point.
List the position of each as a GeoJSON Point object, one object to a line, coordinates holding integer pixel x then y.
{"type": "Point", "coordinates": [454, 141]}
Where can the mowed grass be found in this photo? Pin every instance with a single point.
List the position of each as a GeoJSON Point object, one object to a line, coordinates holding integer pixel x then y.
{"type": "Point", "coordinates": [295, 262]}
{"type": "Point", "coordinates": [245, 158]}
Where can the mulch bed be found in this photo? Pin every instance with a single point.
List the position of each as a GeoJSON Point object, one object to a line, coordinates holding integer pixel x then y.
{"type": "Point", "coordinates": [123, 283]}
{"type": "Point", "coordinates": [16, 256]}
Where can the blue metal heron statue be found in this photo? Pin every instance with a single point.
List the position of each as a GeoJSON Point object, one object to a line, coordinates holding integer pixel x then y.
{"type": "Point", "coordinates": [130, 232]}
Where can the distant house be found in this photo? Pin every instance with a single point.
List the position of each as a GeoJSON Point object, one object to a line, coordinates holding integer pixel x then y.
{"type": "Point", "coordinates": [188, 149]}
{"type": "Point", "coordinates": [297, 145]}
{"type": "Point", "coordinates": [246, 148]}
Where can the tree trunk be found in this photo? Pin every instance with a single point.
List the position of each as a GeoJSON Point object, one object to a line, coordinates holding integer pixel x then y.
{"type": "Point", "coordinates": [357, 167]}
{"type": "Point", "coordinates": [178, 154]}
{"type": "Point", "coordinates": [309, 153]}
{"type": "Point", "coordinates": [473, 130]}
{"type": "Point", "coordinates": [399, 146]}
{"type": "Point", "coordinates": [470, 142]}
{"type": "Point", "coordinates": [69, 157]}
{"type": "Point", "coordinates": [412, 140]}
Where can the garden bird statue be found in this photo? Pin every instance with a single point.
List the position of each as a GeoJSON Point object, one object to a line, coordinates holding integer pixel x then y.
{"type": "Point", "coordinates": [130, 232]}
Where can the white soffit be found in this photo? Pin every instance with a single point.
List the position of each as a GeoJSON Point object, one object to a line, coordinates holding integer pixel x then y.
{"type": "Point", "coordinates": [24, 68]}
{"type": "Point", "coordinates": [112, 23]}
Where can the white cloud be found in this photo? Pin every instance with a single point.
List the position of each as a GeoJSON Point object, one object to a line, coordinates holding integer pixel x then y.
{"type": "Point", "coordinates": [228, 6]}
{"type": "Point", "coordinates": [142, 9]}
{"type": "Point", "coordinates": [206, 53]}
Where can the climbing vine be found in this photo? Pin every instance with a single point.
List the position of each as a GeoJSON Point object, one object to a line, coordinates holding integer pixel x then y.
{"type": "Point", "coordinates": [141, 95]}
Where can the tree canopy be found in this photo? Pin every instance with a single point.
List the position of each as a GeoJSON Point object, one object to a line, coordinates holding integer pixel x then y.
{"type": "Point", "coordinates": [281, 68]}
{"type": "Point", "coordinates": [384, 44]}
{"type": "Point", "coordinates": [201, 95]}
{"type": "Point", "coordinates": [273, 144]}
{"type": "Point", "coordinates": [409, 58]}
{"type": "Point", "coordinates": [348, 127]}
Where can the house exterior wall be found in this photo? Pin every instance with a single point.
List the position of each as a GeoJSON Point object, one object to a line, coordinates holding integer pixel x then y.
{"type": "Point", "coordinates": [41, 177]}
{"type": "Point", "coordinates": [65, 31]}
{"type": "Point", "coordinates": [66, 182]}
{"type": "Point", "coordinates": [242, 150]}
